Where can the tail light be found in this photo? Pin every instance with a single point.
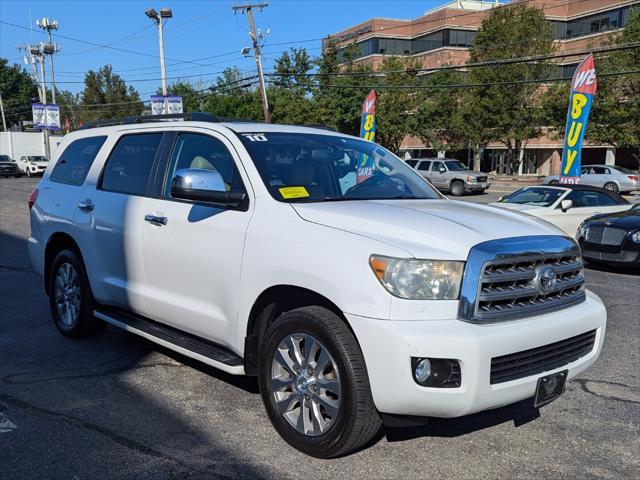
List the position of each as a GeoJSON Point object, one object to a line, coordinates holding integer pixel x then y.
{"type": "Point", "coordinates": [633, 178]}
{"type": "Point", "coordinates": [32, 198]}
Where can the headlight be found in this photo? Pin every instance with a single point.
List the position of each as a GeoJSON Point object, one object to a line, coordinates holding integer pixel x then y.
{"type": "Point", "coordinates": [636, 237]}
{"type": "Point", "coordinates": [471, 179]}
{"type": "Point", "coordinates": [418, 279]}
{"type": "Point", "coordinates": [582, 230]}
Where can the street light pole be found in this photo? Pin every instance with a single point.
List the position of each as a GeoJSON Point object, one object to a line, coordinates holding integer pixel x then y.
{"type": "Point", "coordinates": [157, 19]}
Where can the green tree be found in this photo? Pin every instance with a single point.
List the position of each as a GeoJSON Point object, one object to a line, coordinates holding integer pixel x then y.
{"type": "Point", "coordinates": [291, 99]}
{"type": "Point", "coordinates": [192, 98]}
{"type": "Point", "coordinates": [509, 114]}
{"type": "Point", "coordinates": [395, 101]}
{"type": "Point", "coordinates": [106, 96]}
{"type": "Point", "coordinates": [339, 96]}
{"type": "Point", "coordinates": [18, 91]}
{"type": "Point", "coordinates": [233, 96]}
{"type": "Point", "coordinates": [616, 109]}
{"type": "Point", "coordinates": [437, 119]}
{"type": "Point", "coordinates": [69, 108]}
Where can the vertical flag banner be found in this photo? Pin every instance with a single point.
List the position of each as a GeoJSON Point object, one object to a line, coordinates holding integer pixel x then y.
{"type": "Point", "coordinates": [38, 115]}
{"type": "Point", "coordinates": [157, 104]}
{"type": "Point", "coordinates": [52, 116]}
{"type": "Point", "coordinates": [368, 132]}
{"type": "Point", "coordinates": [174, 104]}
{"type": "Point", "coordinates": [583, 92]}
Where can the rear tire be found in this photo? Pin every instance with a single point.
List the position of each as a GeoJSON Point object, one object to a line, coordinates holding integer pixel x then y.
{"type": "Point", "coordinates": [302, 351]}
{"type": "Point", "coordinates": [457, 188]}
{"type": "Point", "coordinates": [612, 187]}
{"type": "Point", "coordinates": [70, 298]}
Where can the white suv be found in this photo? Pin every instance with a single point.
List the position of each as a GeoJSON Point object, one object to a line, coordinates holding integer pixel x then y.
{"type": "Point", "coordinates": [317, 261]}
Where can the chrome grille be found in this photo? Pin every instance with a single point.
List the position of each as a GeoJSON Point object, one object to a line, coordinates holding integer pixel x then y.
{"type": "Point", "coordinates": [605, 235]}
{"type": "Point", "coordinates": [532, 276]}
{"type": "Point", "coordinates": [625, 256]}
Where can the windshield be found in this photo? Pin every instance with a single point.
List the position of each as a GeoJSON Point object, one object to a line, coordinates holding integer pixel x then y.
{"type": "Point", "coordinates": [539, 196]}
{"type": "Point", "coordinates": [5, 158]}
{"type": "Point", "coordinates": [38, 158]}
{"type": "Point", "coordinates": [306, 167]}
{"type": "Point", "coordinates": [456, 165]}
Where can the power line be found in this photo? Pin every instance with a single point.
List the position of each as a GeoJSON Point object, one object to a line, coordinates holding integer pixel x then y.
{"type": "Point", "coordinates": [461, 85]}
{"type": "Point", "coordinates": [487, 63]}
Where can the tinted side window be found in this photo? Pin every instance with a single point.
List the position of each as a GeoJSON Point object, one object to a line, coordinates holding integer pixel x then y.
{"type": "Point", "coordinates": [74, 163]}
{"type": "Point", "coordinates": [128, 168]}
{"type": "Point", "coordinates": [583, 198]}
{"type": "Point", "coordinates": [192, 150]}
{"type": "Point", "coordinates": [412, 163]}
{"type": "Point", "coordinates": [598, 170]}
{"type": "Point", "coordinates": [605, 200]}
{"type": "Point", "coordinates": [424, 166]}
{"type": "Point", "coordinates": [436, 166]}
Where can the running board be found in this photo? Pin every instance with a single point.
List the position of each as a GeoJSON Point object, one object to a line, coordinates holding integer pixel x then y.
{"type": "Point", "coordinates": [185, 343]}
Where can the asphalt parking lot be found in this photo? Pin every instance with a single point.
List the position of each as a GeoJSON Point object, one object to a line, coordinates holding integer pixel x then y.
{"type": "Point", "coordinates": [118, 406]}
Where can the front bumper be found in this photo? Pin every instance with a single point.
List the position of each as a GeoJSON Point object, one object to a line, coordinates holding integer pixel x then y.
{"type": "Point", "coordinates": [628, 253]}
{"type": "Point", "coordinates": [476, 187]}
{"type": "Point", "coordinates": [388, 346]}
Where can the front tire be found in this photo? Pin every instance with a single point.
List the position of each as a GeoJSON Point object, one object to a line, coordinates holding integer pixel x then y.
{"type": "Point", "coordinates": [70, 298]}
{"type": "Point", "coordinates": [314, 384]}
{"type": "Point", "coordinates": [457, 188]}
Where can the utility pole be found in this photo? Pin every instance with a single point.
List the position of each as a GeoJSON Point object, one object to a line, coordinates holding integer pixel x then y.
{"type": "Point", "coordinates": [157, 19]}
{"type": "Point", "coordinates": [36, 55]}
{"type": "Point", "coordinates": [248, 9]}
{"type": "Point", "coordinates": [50, 49]}
{"type": "Point", "coordinates": [4, 122]}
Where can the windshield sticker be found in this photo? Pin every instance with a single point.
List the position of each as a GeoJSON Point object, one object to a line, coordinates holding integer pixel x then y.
{"type": "Point", "coordinates": [255, 137]}
{"type": "Point", "coordinates": [293, 192]}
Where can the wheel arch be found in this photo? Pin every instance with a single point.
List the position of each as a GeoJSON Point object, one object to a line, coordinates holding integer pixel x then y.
{"type": "Point", "coordinates": [269, 305]}
{"type": "Point", "coordinates": [57, 242]}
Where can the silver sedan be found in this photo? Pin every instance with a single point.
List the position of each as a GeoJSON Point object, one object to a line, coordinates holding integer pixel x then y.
{"type": "Point", "coordinates": [615, 179]}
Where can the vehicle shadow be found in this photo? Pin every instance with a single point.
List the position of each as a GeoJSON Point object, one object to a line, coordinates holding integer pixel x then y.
{"type": "Point", "coordinates": [519, 413]}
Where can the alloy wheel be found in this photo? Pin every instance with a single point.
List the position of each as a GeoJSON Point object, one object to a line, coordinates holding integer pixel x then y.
{"type": "Point", "coordinates": [305, 384]}
{"type": "Point", "coordinates": [67, 294]}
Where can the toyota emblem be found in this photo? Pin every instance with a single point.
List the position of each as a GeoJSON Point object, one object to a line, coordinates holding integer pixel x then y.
{"type": "Point", "coordinates": [546, 280]}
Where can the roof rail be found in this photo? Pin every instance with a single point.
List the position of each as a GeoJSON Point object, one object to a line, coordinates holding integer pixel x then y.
{"type": "Point", "coordinates": [189, 116]}
{"type": "Point", "coordinates": [316, 125]}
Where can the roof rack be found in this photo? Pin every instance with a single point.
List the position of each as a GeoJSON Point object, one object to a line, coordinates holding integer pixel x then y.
{"type": "Point", "coordinates": [189, 116]}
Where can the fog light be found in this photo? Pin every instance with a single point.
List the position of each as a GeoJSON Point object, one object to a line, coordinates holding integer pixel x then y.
{"type": "Point", "coordinates": [436, 372]}
{"type": "Point", "coordinates": [422, 371]}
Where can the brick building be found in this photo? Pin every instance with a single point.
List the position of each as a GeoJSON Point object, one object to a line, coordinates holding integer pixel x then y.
{"type": "Point", "coordinates": [442, 36]}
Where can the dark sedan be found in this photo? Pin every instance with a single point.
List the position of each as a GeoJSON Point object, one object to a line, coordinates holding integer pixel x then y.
{"type": "Point", "coordinates": [612, 238]}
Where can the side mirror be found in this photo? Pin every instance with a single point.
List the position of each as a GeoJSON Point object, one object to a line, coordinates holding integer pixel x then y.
{"type": "Point", "coordinates": [500, 198]}
{"type": "Point", "coordinates": [442, 170]}
{"type": "Point", "coordinates": [566, 205]}
{"type": "Point", "coordinates": [201, 185]}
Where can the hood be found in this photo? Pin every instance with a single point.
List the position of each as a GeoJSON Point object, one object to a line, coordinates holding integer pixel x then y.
{"type": "Point", "coordinates": [627, 219]}
{"type": "Point", "coordinates": [520, 207]}
{"type": "Point", "coordinates": [472, 173]}
{"type": "Point", "coordinates": [438, 229]}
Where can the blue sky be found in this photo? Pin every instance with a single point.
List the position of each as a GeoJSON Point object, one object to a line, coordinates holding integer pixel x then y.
{"type": "Point", "coordinates": [197, 30]}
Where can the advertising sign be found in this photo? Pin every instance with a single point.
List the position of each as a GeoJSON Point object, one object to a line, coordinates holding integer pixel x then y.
{"type": "Point", "coordinates": [39, 118]}
{"type": "Point", "coordinates": [583, 91]}
{"type": "Point", "coordinates": [169, 104]}
{"type": "Point", "coordinates": [52, 117]}
{"type": "Point", "coordinates": [174, 104]}
{"type": "Point", "coordinates": [368, 132]}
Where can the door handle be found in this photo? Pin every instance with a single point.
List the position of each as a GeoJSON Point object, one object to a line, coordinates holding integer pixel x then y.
{"type": "Point", "coordinates": [86, 205]}
{"type": "Point", "coordinates": [154, 220]}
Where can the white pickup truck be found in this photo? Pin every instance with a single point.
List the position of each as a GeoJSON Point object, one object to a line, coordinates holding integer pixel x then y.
{"type": "Point", "coordinates": [355, 295]}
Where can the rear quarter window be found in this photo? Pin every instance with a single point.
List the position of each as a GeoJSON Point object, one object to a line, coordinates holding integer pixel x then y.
{"type": "Point", "coordinates": [75, 161]}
